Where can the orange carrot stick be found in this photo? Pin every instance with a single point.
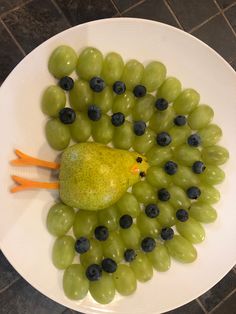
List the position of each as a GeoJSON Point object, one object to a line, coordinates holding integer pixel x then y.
{"type": "Point", "coordinates": [25, 184]}
{"type": "Point", "coordinates": [26, 160]}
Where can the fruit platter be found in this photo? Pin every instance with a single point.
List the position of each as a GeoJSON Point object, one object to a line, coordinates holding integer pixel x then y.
{"type": "Point", "coordinates": [119, 167]}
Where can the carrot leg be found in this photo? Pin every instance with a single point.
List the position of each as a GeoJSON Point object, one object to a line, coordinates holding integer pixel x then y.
{"type": "Point", "coordinates": [25, 184]}
{"type": "Point", "coordinates": [26, 160]}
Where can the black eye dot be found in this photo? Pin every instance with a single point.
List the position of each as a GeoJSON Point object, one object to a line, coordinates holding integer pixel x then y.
{"type": "Point", "coordinates": [142, 174]}
{"type": "Point", "coordinates": [139, 159]}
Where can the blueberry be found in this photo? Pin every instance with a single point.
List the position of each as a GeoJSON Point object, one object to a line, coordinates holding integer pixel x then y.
{"type": "Point", "coordinates": [82, 245]}
{"type": "Point", "coordinates": [139, 91]}
{"type": "Point", "coordinates": [163, 195]}
{"type": "Point", "coordinates": [167, 233]}
{"type": "Point", "coordinates": [148, 244]}
{"type": "Point", "coordinates": [109, 265]}
{"type": "Point", "coordinates": [126, 221]}
{"type": "Point", "coordinates": [94, 272]}
{"type": "Point", "coordinates": [66, 83]}
{"type": "Point", "coordinates": [139, 159]}
{"type": "Point", "coordinates": [182, 215]}
{"type": "Point", "coordinates": [129, 255]}
{"type": "Point", "coordinates": [193, 192]}
{"type": "Point", "coordinates": [139, 128]}
{"type": "Point", "coordinates": [171, 167]}
{"type": "Point", "coordinates": [67, 115]}
{"type": "Point", "coordinates": [101, 233]}
{"type": "Point", "coordinates": [119, 87]}
{"type": "Point", "coordinates": [117, 119]}
{"type": "Point", "coordinates": [161, 104]}
{"type": "Point", "coordinates": [163, 139]}
{"type": "Point", "coordinates": [180, 120]}
{"type": "Point", "coordinates": [194, 140]}
{"type": "Point", "coordinates": [94, 113]}
{"type": "Point", "coordinates": [152, 211]}
{"type": "Point", "coordinates": [198, 167]}
{"type": "Point", "coordinates": [97, 84]}
{"type": "Point", "coordinates": [142, 174]}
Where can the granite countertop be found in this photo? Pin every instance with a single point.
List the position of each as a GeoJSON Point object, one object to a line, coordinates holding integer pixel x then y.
{"type": "Point", "coordinates": [24, 24]}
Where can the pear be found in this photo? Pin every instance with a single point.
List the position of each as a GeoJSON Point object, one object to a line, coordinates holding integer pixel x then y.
{"type": "Point", "coordinates": [94, 176]}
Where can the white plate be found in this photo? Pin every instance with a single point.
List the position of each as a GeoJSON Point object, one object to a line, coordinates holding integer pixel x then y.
{"type": "Point", "coordinates": [23, 236]}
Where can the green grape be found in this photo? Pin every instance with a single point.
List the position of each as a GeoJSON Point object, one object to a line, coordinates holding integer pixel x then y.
{"type": "Point", "coordinates": [156, 156]}
{"type": "Point", "coordinates": [162, 120]}
{"type": "Point", "coordinates": [104, 99]}
{"type": "Point", "coordinates": [181, 249]}
{"type": "Point", "coordinates": [128, 205]}
{"type": "Point", "coordinates": [113, 247]}
{"type": "Point", "coordinates": [184, 177]}
{"type": "Point", "coordinates": [108, 217]}
{"type": "Point", "coordinates": [124, 279]}
{"type": "Point", "coordinates": [148, 226]}
{"type": "Point", "coordinates": [200, 117]}
{"type": "Point", "coordinates": [85, 223]}
{"type": "Point", "coordinates": [187, 155]}
{"type": "Point", "coordinates": [89, 63]}
{"type": "Point", "coordinates": [63, 252]}
{"type": "Point", "coordinates": [132, 74]}
{"type": "Point", "coordinates": [60, 219]}
{"type": "Point", "coordinates": [94, 255]}
{"type": "Point", "coordinates": [81, 129]}
{"type": "Point", "coordinates": [75, 283]}
{"type": "Point", "coordinates": [203, 212]}
{"type": "Point", "coordinates": [102, 130]}
{"type": "Point", "coordinates": [153, 76]}
{"type": "Point", "coordinates": [210, 135]}
{"type": "Point", "coordinates": [124, 103]}
{"type": "Point", "coordinates": [145, 142]}
{"type": "Point", "coordinates": [143, 108]}
{"type": "Point", "coordinates": [142, 267]}
{"type": "Point", "coordinates": [53, 100]}
{"type": "Point", "coordinates": [80, 96]}
{"type": "Point", "coordinates": [112, 69]}
{"type": "Point", "coordinates": [131, 237]}
{"type": "Point", "coordinates": [179, 135]}
{"type": "Point", "coordinates": [212, 175]}
{"type": "Point", "coordinates": [170, 89]}
{"type": "Point", "coordinates": [123, 136]}
{"type": "Point", "coordinates": [178, 197]}
{"type": "Point", "coordinates": [103, 290]}
{"type": "Point", "coordinates": [160, 258]}
{"type": "Point", "coordinates": [166, 216]}
{"type": "Point", "coordinates": [62, 61]}
{"type": "Point", "coordinates": [209, 194]}
{"type": "Point", "coordinates": [57, 134]}
{"type": "Point", "coordinates": [191, 230]}
{"type": "Point", "coordinates": [157, 177]}
{"type": "Point", "coordinates": [186, 102]}
{"type": "Point", "coordinates": [215, 155]}
{"type": "Point", "coordinates": [144, 192]}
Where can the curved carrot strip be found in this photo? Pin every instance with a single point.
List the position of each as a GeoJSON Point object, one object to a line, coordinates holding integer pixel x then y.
{"type": "Point", "coordinates": [25, 184]}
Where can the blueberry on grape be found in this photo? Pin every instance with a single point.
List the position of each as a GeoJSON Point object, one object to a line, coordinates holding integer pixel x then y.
{"type": "Point", "coordinates": [109, 265]}
{"type": "Point", "coordinates": [119, 87]}
{"type": "Point", "coordinates": [66, 83]}
{"type": "Point", "coordinates": [167, 233]}
{"type": "Point", "coordinates": [101, 233]}
{"type": "Point", "coordinates": [139, 91]}
{"type": "Point", "coordinates": [82, 245]}
{"type": "Point", "coordinates": [182, 215]}
{"type": "Point", "coordinates": [126, 221]}
{"type": "Point", "coordinates": [67, 115]}
{"type": "Point", "coordinates": [94, 113]}
{"type": "Point", "coordinates": [97, 84]}
{"type": "Point", "coordinates": [198, 167]}
{"type": "Point", "coordinates": [171, 167]}
{"type": "Point", "coordinates": [163, 139]}
{"type": "Point", "coordinates": [193, 192]}
{"type": "Point", "coordinates": [117, 119]}
{"type": "Point", "coordinates": [161, 104]}
{"type": "Point", "coordinates": [94, 272]}
{"type": "Point", "coordinates": [163, 195]}
{"type": "Point", "coordinates": [194, 140]}
{"type": "Point", "coordinates": [152, 211]}
{"type": "Point", "coordinates": [180, 120]}
{"type": "Point", "coordinates": [129, 255]}
{"type": "Point", "coordinates": [139, 128]}
{"type": "Point", "coordinates": [148, 244]}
